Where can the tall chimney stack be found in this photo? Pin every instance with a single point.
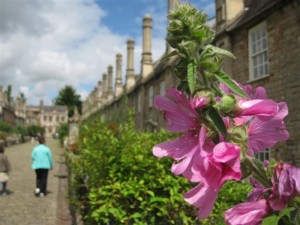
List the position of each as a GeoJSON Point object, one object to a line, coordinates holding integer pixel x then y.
{"type": "Point", "coordinates": [99, 93]}
{"type": "Point", "coordinates": [110, 93]}
{"type": "Point", "coordinates": [172, 4]}
{"type": "Point", "coordinates": [104, 85]}
{"type": "Point", "coordinates": [147, 65]}
{"type": "Point", "coordinates": [119, 88]}
{"type": "Point", "coordinates": [130, 77]}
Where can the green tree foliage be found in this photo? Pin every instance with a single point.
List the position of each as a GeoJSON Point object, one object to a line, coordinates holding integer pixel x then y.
{"type": "Point", "coordinates": [22, 97]}
{"type": "Point", "coordinates": [68, 97]}
{"type": "Point", "coordinates": [6, 127]}
{"type": "Point", "coordinates": [34, 130]}
{"type": "Point", "coordinates": [22, 131]}
{"type": "Point", "coordinates": [8, 93]}
{"type": "Point", "coordinates": [63, 131]}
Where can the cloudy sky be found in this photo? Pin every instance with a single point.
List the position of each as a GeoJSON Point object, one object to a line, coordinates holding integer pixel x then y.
{"type": "Point", "coordinates": [47, 44]}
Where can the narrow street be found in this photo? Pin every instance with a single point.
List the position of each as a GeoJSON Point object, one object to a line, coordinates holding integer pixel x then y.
{"type": "Point", "coordinates": [21, 207]}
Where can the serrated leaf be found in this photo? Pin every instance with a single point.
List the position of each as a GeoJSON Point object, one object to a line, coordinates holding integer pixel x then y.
{"type": "Point", "coordinates": [168, 55]}
{"type": "Point", "coordinates": [217, 120]}
{"type": "Point", "coordinates": [192, 76]}
{"type": "Point", "coordinates": [221, 51]}
{"type": "Point", "coordinates": [226, 79]}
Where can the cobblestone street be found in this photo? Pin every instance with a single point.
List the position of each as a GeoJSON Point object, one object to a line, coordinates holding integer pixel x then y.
{"type": "Point", "coordinates": [21, 207]}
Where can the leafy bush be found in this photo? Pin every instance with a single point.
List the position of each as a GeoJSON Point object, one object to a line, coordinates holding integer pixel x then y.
{"type": "Point", "coordinates": [125, 181]}
{"type": "Point", "coordinates": [5, 127]}
{"type": "Point", "coordinates": [63, 131]}
{"type": "Point", "coordinates": [22, 131]}
{"type": "Point", "coordinates": [116, 177]}
{"type": "Point", "coordinates": [35, 130]}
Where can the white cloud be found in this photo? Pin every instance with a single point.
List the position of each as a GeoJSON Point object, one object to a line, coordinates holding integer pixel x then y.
{"type": "Point", "coordinates": [47, 44]}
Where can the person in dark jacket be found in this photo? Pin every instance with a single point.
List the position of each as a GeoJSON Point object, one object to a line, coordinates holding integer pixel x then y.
{"type": "Point", "coordinates": [41, 163]}
{"type": "Point", "coordinates": [4, 170]}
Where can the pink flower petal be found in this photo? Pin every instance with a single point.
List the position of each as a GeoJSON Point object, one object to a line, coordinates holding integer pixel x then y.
{"type": "Point", "coordinates": [177, 149]}
{"type": "Point", "coordinates": [248, 213]}
{"type": "Point", "coordinates": [203, 198]}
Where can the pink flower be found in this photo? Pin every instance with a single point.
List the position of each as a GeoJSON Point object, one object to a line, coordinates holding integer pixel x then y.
{"type": "Point", "coordinates": [203, 198]}
{"type": "Point", "coordinates": [257, 107]}
{"type": "Point", "coordinates": [264, 133]}
{"type": "Point", "coordinates": [286, 186]}
{"type": "Point", "coordinates": [182, 117]}
{"type": "Point", "coordinates": [216, 167]}
{"type": "Point", "coordinates": [248, 213]}
{"type": "Point", "coordinates": [180, 113]}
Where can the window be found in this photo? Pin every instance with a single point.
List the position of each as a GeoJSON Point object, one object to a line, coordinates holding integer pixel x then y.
{"type": "Point", "coordinates": [258, 52]}
{"type": "Point", "coordinates": [45, 118]}
{"type": "Point", "coordinates": [63, 119]}
{"type": "Point", "coordinates": [221, 12]}
{"type": "Point", "coordinates": [50, 118]}
{"type": "Point", "coordinates": [162, 88]}
{"type": "Point", "coordinates": [57, 118]}
{"type": "Point", "coordinates": [150, 96]}
{"type": "Point", "coordinates": [264, 155]}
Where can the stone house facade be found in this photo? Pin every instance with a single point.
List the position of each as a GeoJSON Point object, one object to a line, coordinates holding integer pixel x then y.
{"type": "Point", "coordinates": [48, 117]}
{"type": "Point", "coordinates": [13, 111]}
{"type": "Point", "coordinates": [265, 38]}
{"type": "Point", "coordinates": [264, 35]}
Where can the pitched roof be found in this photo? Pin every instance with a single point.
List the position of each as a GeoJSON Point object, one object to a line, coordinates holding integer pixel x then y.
{"type": "Point", "coordinates": [57, 108]}
{"type": "Point", "coordinates": [253, 10]}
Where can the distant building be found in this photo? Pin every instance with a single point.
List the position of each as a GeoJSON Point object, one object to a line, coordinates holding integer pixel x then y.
{"type": "Point", "coordinates": [8, 113]}
{"type": "Point", "coordinates": [264, 35]}
{"type": "Point", "coordinates": [48, 117]}
{"type": "Point", "coordinates": [17, 112]}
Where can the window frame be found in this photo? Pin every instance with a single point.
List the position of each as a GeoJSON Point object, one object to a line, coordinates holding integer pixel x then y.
{"type": "Point", "coordinates": [150, 96]}
{"type": "Point", "coordinates": [261, 55]}
{"type": "Point", "coordinates": [263, 155]}
{"type": "Point", "coordinates": [162, 88]}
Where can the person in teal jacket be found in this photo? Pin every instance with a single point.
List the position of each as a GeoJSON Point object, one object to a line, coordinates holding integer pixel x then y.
{"type": "Point", "coordinates": [41, 163]}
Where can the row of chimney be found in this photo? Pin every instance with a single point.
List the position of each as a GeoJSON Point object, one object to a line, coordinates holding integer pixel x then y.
{"type": "Point", "coordinates": [104, 94]}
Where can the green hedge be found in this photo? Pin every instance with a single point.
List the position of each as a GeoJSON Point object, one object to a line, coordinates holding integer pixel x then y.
{"type": "Point", "coordinates": [124, 181]}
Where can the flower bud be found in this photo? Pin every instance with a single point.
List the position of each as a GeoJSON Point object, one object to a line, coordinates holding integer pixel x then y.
{"type": "Point", "coordinates": [228, 104]}
{"type": "Point", "coordinates": [206, 92]}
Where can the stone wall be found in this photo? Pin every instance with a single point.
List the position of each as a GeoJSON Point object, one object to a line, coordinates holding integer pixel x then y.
{"type": "Point", "coordinates": [283, 82]}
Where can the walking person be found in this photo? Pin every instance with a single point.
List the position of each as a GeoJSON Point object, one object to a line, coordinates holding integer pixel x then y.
{"type": "Point", "coordinates": [4, 170]}
{"type": "Point", "coordinates": [41, 163]}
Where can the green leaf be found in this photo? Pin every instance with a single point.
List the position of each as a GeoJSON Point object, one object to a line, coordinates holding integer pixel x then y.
{"type": "Point", "coordinates": [168, 55]}
{"type": "Point", "coordinates": [192, 76]}
{"type": "Point", "coordinates": [295, 216]}
{"type": "Point", "coordinates": [217, 120]}
{"type": "Point", "coordinates": [221, 51]}
{"type": "Point", "coordinates": [226, 79]}
{"type": "Point", "coordinates": [271, 220]}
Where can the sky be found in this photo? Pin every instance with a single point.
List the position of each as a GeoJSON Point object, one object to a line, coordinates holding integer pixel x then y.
{"type": "Point", "coordinates": [48, 44]}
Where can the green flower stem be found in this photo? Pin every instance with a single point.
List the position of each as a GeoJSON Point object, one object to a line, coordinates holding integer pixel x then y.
{"type": "Point", "coordinates": [257, 173]}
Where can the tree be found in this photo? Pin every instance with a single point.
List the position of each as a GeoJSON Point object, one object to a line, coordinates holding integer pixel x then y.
{"type": "Point", "coordinates": [22, 97]}
{"type": "Point", "coordinates": [68, 97]}
{"type": "Point", "coordinates": [8, 93]}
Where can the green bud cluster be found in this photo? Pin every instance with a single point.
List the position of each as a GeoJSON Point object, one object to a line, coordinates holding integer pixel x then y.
{"type": "Point", "coordinates": [187, 30]}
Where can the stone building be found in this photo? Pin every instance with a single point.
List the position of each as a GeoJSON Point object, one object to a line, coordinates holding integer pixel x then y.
{"type": "Point", "coordinates": [11, 111]}
{"type": "Point", "coordinates": [264, 35]}
{"type": "Point", "coordinates": [48, 117]}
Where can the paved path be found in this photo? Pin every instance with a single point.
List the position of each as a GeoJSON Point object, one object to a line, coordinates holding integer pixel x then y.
{"type": "Point", "coordinates": [22, 207]}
